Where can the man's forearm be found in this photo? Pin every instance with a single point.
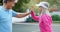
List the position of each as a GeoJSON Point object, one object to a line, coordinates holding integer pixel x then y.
{"type": "Point", "coordinates": [22, 15]}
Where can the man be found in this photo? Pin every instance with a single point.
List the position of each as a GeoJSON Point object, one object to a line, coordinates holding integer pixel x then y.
{"type": "Point", "coordinates": [6, 14]}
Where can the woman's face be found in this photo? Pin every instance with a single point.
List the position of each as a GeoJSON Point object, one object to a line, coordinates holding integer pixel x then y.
{"type": "Point", "coordinates": [40, 9]}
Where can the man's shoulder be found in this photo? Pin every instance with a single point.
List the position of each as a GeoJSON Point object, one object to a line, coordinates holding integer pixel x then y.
{"type": "Point", "coordinates": [0, 7]}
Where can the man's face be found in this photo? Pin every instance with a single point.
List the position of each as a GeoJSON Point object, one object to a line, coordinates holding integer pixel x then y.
{"type": "Point", "coordinates": [10, 4]}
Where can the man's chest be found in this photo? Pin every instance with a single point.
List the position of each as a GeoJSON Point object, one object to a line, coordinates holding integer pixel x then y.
{"type": "Point", "coordinates": [5, 16]}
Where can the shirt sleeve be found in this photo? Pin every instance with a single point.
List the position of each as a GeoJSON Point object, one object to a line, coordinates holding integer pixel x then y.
{"type": "Point", "coordinates": [14, 13]}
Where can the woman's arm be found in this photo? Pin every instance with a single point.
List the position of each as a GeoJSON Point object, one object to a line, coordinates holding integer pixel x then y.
{"type": "Point", "coordinates": [32, 13]}
{"type": "Point", "coordinates": [33, 16]}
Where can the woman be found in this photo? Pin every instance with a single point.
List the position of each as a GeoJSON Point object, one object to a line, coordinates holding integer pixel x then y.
{"type": "Point", "coordinates": [44, 17]}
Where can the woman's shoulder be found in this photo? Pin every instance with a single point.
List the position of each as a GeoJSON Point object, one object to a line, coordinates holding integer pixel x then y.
{"type": "Point", "coordinates": [46, 16]}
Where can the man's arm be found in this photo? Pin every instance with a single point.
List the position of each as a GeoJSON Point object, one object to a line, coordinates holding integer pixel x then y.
{"type": "Point", "coordinates": [15, 14]}
{"type": "Point", "coordinates": [22, 15]}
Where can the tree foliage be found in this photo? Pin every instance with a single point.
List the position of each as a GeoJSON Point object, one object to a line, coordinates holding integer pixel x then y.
{"type": "Point", "coordinates": [20, 5]}
{"type": "Point", "coordinates": [54, 2]}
